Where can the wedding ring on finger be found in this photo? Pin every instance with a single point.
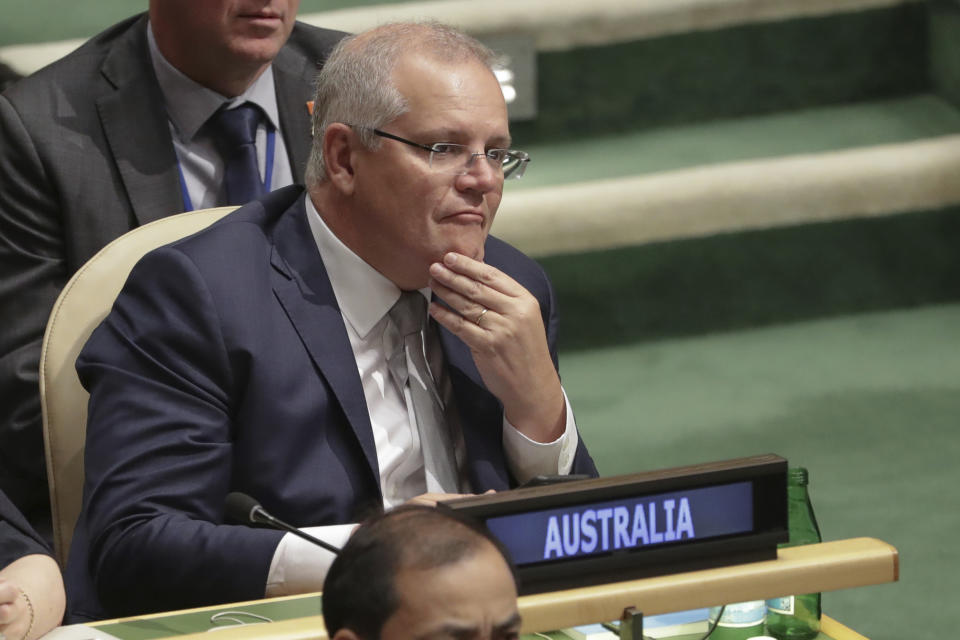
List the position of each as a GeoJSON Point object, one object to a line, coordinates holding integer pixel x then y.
{"type": "Point", "coordinates": [480, 317]}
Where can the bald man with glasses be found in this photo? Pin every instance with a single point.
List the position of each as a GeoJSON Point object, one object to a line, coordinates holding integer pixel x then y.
{"type": "Point", "coordinates": [332, 351]}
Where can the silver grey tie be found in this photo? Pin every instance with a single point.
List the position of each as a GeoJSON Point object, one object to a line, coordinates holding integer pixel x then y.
{"type": "Point", "coordinates": [408, 366]}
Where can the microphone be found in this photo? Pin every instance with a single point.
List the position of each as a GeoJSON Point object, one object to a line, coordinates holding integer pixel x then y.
{"type": "Point", "coordinates": [245, 509]}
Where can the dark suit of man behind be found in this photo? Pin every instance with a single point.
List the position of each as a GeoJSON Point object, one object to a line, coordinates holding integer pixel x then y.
{"type": "Point", "coordinates": [86, 155]}
{"type": "Point", "coordinates": [231, 360]}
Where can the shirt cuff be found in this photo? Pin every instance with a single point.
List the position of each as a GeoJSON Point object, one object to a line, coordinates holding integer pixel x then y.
{"type": "Point", "coordinates": [299, 566]}
{"type": "Point", "coordinates": [528, 458]}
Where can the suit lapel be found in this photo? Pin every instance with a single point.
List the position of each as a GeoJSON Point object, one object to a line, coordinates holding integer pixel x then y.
{"type": "Point", "coordinates": [293, 75]}
{"type": "Point", "coordinates": [135, 124]}
{"type": "Point", "coordinates": [303, 289]}
{"type": "Point", "coordinates": [481, 417]}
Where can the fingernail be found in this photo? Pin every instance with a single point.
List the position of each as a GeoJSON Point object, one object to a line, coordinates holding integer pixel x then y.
{"type": "Point", "coordinates": [450, 258]}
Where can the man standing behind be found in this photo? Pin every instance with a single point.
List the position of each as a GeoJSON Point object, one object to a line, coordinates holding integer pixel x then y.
{"type": "Point", "coordinates": [287, 352]}
{"type": "Point", "coordinates": [133, 126]}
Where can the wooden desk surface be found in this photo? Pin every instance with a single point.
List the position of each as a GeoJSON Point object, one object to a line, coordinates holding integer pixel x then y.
{"type": "Point", "coordinates": [827, 566]}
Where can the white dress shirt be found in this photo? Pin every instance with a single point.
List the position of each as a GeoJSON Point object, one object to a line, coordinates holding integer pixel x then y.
{"type": "Point", "coordinates": [299, 566]}
{"type": "Point", "coordinates": [189, 105]}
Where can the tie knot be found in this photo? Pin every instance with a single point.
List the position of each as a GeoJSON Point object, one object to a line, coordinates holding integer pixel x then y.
{"type": "Point", "coordinates": [236, 127]}
{"type": "Point", "coordinates": [409, 312]}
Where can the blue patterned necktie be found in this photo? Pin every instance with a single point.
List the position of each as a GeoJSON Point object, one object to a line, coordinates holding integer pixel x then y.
{"type": "Point", "coordinates": [234, 133]}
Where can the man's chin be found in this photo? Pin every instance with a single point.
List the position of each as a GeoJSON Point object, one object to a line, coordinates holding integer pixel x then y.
{"type": "Point", "coordinates": [258, 49]}
{"type": "Point", "coordinates": [471, 250]}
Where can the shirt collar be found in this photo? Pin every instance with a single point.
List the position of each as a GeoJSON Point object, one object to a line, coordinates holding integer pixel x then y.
{"type": "Point", "coordinates": [349, 274]}
{"type": "Point", "coordinates": [190, 104]}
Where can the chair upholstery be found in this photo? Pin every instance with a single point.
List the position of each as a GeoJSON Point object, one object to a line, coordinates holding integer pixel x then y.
{"type": "Point", "coordinates": [81, 306]}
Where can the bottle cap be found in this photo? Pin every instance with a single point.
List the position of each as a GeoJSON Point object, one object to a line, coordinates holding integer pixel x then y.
{"type": "Point", "coordinates": [798, 476]}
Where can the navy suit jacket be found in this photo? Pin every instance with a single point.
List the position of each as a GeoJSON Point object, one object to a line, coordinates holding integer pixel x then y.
{"type": "Point", "coordinates": [225, 366]}
{"type": "Point", "coordinates": [85, 156]}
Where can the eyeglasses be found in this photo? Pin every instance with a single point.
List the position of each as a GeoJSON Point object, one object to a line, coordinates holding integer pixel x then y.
{"type": "Point", "coordinates": [458, 158]}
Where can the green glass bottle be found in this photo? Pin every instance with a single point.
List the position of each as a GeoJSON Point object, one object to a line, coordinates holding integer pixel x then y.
{"type": "Point", "coordinates": [797, 617]}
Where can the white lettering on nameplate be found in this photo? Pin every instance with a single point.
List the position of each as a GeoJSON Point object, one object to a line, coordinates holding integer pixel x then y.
{"type": "Point", "coordinates": [616, 528]}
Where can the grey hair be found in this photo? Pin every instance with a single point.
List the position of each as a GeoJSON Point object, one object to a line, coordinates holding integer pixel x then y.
{"type": "Point", "coordinates": [356, 85]}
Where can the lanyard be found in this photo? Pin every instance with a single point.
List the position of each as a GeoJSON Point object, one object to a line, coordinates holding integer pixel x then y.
{"type": "Point", "coordinates": [267, 179]}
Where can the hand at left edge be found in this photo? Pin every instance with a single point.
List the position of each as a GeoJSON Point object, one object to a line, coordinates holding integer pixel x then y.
{"type": "Point", "coordinates": [508, 341]}
{"type": "Point", "coordinates": [14, 617]}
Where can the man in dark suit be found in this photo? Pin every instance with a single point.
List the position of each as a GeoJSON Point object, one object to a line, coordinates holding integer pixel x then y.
{"type": "Point", "coordinates": [111, 137]}
{"type": "Point", "coordinates": [284, 351]}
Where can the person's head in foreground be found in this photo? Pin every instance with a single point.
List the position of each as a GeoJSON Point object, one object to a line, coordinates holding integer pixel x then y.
{"type": "Point", "coordinates": [420, 573]}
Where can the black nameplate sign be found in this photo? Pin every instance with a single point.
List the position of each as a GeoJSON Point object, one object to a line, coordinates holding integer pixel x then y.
{"type": "Point", "coordinates": [618, 528]}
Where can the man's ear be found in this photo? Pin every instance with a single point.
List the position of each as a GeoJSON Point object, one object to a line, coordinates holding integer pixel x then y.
{"type": "Point", "coordinates": [339, 144]}
{"type": "Point", "coordinates": [345, 634]}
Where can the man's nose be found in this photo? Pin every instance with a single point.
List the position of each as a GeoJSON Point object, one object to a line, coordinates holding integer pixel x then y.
{"type": "Point", "coordinates": [480, 173]}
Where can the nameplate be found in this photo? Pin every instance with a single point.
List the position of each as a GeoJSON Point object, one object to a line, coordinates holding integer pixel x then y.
{"type": "Point", "coordinates": [617, 528]}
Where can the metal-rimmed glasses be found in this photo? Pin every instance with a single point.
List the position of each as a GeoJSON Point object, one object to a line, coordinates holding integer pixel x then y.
{"type": "Point", "coordinates": [458, 158]}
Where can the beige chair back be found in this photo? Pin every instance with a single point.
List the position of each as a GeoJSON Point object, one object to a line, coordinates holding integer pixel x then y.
{"type": "Point", "coordinates": [82, 304]}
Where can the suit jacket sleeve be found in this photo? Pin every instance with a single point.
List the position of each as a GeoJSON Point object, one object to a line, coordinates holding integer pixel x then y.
{"type": "Point", "coordinates": [34, 271]}
{"type": "Point", "coordinates": [158, 452]}
{"type": "Point", "coordinates": [17, 538]}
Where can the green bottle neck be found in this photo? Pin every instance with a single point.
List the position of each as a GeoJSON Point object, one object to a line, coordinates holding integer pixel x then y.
{"type": "Point", "coordinates": [797, 477]}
